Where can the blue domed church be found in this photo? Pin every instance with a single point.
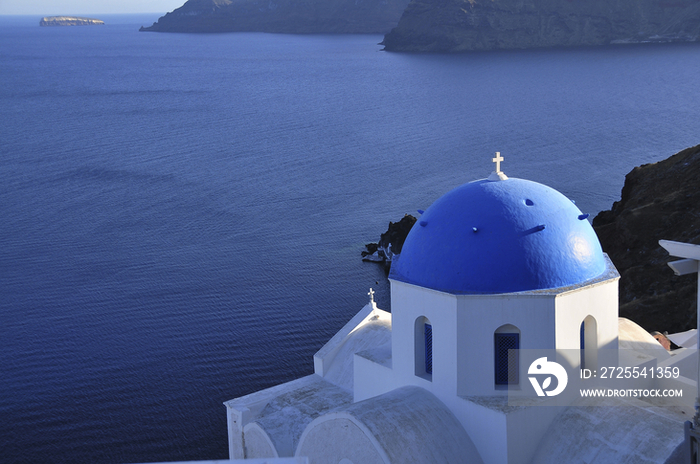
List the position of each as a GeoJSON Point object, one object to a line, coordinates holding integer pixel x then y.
{"type": "Point", "coordinates": [494, 268]}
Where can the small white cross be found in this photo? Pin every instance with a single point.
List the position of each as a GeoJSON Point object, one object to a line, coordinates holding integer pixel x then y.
{"type": "Point", "coordinates": [498, 160]}
{"type": "Point", "coordinates": [371, 295]}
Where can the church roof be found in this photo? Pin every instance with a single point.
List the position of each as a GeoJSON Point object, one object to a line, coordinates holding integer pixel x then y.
{"type": "Point", "coordinates": [613, 430]}
{"type": "Point", "coordinates": [405, 425]}
{"type": "Point", "coordinates": [500, 235]}
{"type": "Point", "coordinates": [290, 409]}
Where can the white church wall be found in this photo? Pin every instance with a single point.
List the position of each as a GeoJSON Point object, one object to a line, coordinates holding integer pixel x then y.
{"type": "Point", "coordinates": [410, 303]}
{"type": "Point", "coordinates": [235, 434]}
{"type": "Point", "coordinates": [372, 378]}
{"type": "Point", "coordinates": [526, 427]}
{"type": "Point", "coordinates": [486, 427]}
{"type": "Point", "coordinates": [258, 443]}
{"type": "Point", "coordinates": [318, 395]}
{"type": "Point", "coordinates": [350, 442]}
{"type": "Point", "coordinates": [372, 337]}
{"type": "Point", "coordinates": [241, 411]}
{"type": "Point", "coordinates": [324, 357]}
{"type": "Point", "coordinates": [503, 434]}
{"type": "Point", "coordinates": [598, 301]}
{"type": "Point", "coordinates": [479, 317]}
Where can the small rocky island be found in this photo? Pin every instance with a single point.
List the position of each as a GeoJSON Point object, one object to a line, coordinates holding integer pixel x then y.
{"type": "Point", "coordinates": [69, 21]}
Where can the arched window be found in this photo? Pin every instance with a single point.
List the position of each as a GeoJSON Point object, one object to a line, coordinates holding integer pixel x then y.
{"type": "Point", "coordinates": [589, 343]}
{"type": "Point", "coordinates": [423, 341]}
{"type": "Point", "coordinates": [506, 342]}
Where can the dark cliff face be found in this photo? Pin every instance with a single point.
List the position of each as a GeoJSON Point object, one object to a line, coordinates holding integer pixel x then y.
{"type": "Point", "coordinates": [466, 25]}
{"type": "Point", "coordinates": [283, 16]}
{"type": "Point", "coordinates": [659, 201]}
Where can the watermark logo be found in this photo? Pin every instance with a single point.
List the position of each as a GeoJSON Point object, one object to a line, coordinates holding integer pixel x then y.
{"type": "Point", "coordinates": [558, 379]}
{"type": "Point", "coordinates": [541, 368]}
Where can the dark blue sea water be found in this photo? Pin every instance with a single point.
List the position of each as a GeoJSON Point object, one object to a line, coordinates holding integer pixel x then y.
{"type": "Point", "coordinates": [181, 216]}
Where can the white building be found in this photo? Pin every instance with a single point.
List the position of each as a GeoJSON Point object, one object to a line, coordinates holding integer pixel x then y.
{"type": "Point", "coordinates": [492, 269]}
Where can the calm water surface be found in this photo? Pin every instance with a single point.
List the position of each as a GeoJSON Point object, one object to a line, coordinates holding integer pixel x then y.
{"type": "Point", "coordinates": [181, 216]}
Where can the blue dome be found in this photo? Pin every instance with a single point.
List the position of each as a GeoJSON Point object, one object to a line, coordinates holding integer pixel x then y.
{"type": "Point", "coordinates": [499, 237]}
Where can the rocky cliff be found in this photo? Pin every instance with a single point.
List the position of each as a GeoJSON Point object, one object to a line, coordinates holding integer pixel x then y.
{"type": "Point", "coordinates": [466, 25]}
{"type": "Point", "coordinates": [283, 16]}
{"type": "Point", "coordinates": [659, 201]}
{"type": "Point", "coordinates": [69, 21]}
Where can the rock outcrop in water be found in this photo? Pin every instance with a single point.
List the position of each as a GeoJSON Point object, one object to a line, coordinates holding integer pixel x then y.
{"type": "Point", "coordinates": [69, 21]}
{"type": "Point", "coordinates": [466, 25]}
{"type": "Point", "coordinates": [390, 242]}
{"type": "Point", "coordinates": [283, 16]}
{"type": "Point", "coordinates": [659, 201]}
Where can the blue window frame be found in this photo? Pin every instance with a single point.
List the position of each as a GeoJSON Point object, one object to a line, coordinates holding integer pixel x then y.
{"type": "Point", "coordinates": [506, 358]}
{"type": "Point", "coordinates": [583, 344]}
{"type": "Point", "coordinates": [428, 349]}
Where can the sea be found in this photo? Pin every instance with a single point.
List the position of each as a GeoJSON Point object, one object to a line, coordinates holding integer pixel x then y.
{"type": "Point", "coordinates": [182, 215]}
